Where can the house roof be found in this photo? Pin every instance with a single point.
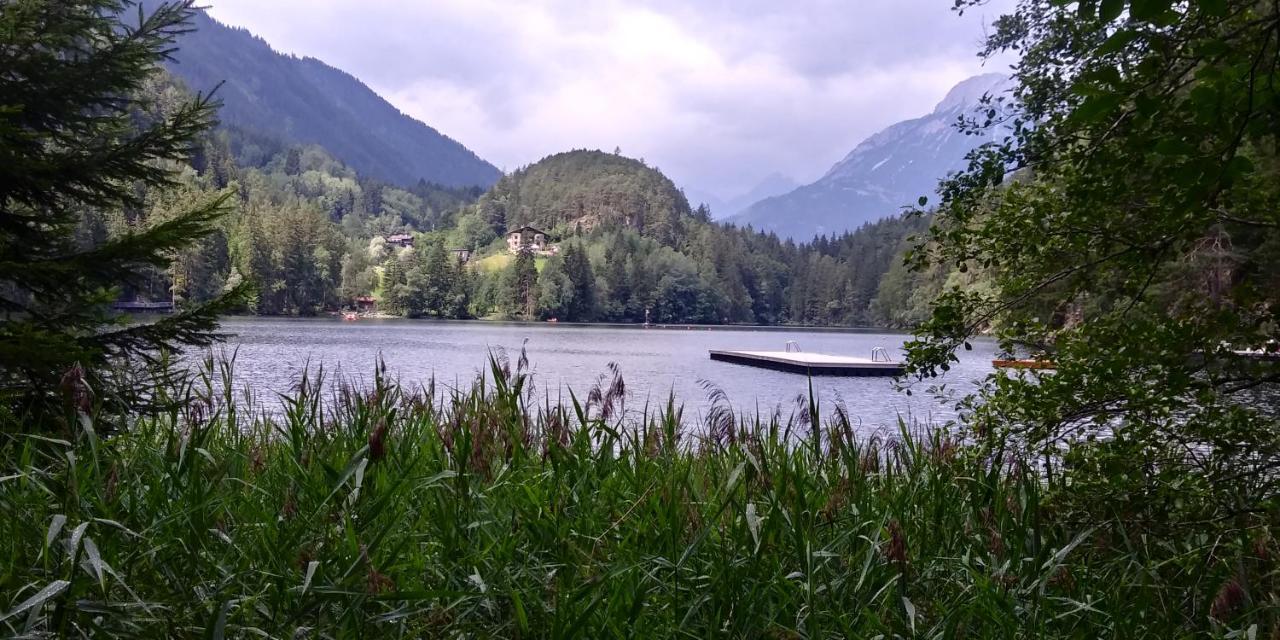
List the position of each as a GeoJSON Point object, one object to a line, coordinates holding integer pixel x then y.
{"type": "Point", "coordinates": [526, 228]}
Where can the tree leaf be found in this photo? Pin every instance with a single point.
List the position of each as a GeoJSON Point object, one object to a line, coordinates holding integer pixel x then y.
{"type": "Point", "coordinates": [1111, 9]}
{"type": "Point", "coordinates": [1095, 108]}
{"type": "Point", "coordinates": [1174, 147]}
{"type": "Point", "coordinates": [1149, 10]}
{"type": "Point", "coordinates": [1118, 40]}
{"type": "Point", "coordinates": [1216, 8]}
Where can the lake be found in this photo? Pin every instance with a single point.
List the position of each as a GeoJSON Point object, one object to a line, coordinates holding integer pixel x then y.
{"type": "Point", "coordinates": [272, 353]}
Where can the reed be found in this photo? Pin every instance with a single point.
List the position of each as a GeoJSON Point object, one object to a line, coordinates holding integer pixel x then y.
{"type": "Point", "coordinates": [381, 511]}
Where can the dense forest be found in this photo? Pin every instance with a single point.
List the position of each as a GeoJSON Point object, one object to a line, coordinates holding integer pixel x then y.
{"type": "Point", "coordinates": [311, 233]}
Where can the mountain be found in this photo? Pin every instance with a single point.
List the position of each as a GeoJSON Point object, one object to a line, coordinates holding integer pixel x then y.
{"type": "Point", "coordinates": [884, 173]}
{"type": "Point", "coordinates": [774, 184]}
{"type": "Point", "coordinates": [581, 190]}
{"type": "Point", "coordinates": [771, 185]}
{"type": "Point", "coordinates": [305, 101]}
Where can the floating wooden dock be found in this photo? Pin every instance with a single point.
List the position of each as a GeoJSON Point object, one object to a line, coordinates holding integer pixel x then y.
{"type": "Point", "coordinates": [815, 364]}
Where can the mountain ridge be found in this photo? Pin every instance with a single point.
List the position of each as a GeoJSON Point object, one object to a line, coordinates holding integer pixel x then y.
{"type": "Point", "coordinates": [883, 174]}
{"type": "Point", "coordinates": [304, 100]}
{"type": "Point", "coordinates": [773, 184]}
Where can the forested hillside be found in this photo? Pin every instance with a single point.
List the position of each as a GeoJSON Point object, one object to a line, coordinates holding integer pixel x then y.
{"type": "Point", "coordinates": [310, 232]}
{"type": "Point", "coordinates": [583, 190]}
{"type": "Point", "coordinates": [300, 223]}
{"type": "Point", "coordinates": [634, 250]}
{"type": "Point", "coordinates": [305, 101]}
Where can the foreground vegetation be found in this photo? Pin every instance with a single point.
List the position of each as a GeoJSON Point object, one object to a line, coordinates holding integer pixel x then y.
{"type": "Point", "coordinates": [378, 510]}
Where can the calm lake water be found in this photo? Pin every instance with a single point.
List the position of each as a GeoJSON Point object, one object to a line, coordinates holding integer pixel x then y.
{"type": "Point", "coordinates": [272, 353]}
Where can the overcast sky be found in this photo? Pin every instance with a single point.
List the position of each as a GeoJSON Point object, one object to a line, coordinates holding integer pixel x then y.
{"type": "Point", "coordinates": [717, 93]}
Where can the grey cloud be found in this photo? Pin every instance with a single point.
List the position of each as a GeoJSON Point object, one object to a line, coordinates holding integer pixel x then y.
{"type": "Point", "coordinates": [717, 93]}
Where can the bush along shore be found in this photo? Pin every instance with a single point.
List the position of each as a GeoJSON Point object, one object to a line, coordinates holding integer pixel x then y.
{"type": "Point", "coordinates": [378, 511]}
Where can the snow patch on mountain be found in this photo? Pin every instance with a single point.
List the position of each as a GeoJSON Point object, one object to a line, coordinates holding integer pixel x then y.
{"type": "Point", "coordinates": [883, 174]}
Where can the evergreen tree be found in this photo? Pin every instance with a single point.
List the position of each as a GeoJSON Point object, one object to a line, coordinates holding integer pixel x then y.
{"type": "Point", "coordinates": [440, 274]}
{"type": "Point", "coordinates": [458, 303]}
{"type": "Point", "coordinates": [430, 280]}
{"type": "Point", "coordinates": [395, 298]}
{"type": "Point", "coordinates": [293, 162]}
{"type": "Point", "coordinates": [522, 286]}
{"type": "Point", "coordinates": [555, 291]}
{"type": "Point", "coordinates": [371, 198]}
{"type": "Point", "coordinates": [71, 143]}
{"type": "Point", "coordinates": [415, 280]}
{"type": "Point", "coordinates": [582, 280]}
{"type": "Point", "coordinates": [616, 278]}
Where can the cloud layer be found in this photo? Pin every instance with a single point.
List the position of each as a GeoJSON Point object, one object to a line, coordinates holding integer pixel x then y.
{"type": "Point", "coordinates": [717, 94]}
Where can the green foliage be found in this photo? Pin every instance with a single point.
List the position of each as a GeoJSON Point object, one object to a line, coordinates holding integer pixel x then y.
{"type": "Point", "coordinates": [520, 286]}
{"type": "Point", "coordinates": [302, 225]}
{"type": "Point", "coordinates": [582, 282]}
{"type": "Point", "coordinates": [80, 140]}
{"type": "Point", "coordinates": [435, 283]}
{"type": "Point", "coordinates": [394, 286]}
{"type": "Point", "coordinates": [481, 513]}
{"type": "Point", "coordinates": [581, 190]}
{"type": "Point", "coordinates": [1136, 250]}
{"type": "Point", "coordinates": [648, 252]}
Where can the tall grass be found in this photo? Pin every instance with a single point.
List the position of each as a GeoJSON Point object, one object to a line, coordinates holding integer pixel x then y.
{"type": "Point", "coordinates": [377, 511]}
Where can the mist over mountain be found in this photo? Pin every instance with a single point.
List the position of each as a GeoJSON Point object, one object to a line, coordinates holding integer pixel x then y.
{"type": "Point", "coordinates": [884, 173]}
{"type": "Point", "coordinates": [771, 185]}
{"type": "Point", "coordinates": [305, 101]}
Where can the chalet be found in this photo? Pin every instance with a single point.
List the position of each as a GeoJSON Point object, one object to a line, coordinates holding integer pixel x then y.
{"type": "Point", "coordinates": [526, 238]}
{"type": "Point", "coordinates": [400, 239]}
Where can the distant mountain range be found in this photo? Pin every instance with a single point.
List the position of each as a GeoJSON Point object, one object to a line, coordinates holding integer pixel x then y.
{"type": "Point", "coordinates": [769, 186]}
{"type": "Point", "coordinates": [305, 101]}
{"type": "Point", "coordinates": [884, 173]}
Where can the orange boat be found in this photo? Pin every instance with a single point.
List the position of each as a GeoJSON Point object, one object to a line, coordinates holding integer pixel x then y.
{"type": "Point", "coordinates": [1026, 363]}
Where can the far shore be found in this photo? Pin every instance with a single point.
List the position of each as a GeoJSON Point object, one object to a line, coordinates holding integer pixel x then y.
{"type": "Point", "coordinates": [380, 318]}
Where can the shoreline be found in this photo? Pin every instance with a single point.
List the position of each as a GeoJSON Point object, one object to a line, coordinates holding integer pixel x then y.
{"type": "Point", "coordinates": [580, 325]}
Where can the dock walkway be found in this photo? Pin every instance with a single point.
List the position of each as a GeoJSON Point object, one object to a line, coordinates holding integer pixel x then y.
{"type": "Point", "coordinates": [817, 364]}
